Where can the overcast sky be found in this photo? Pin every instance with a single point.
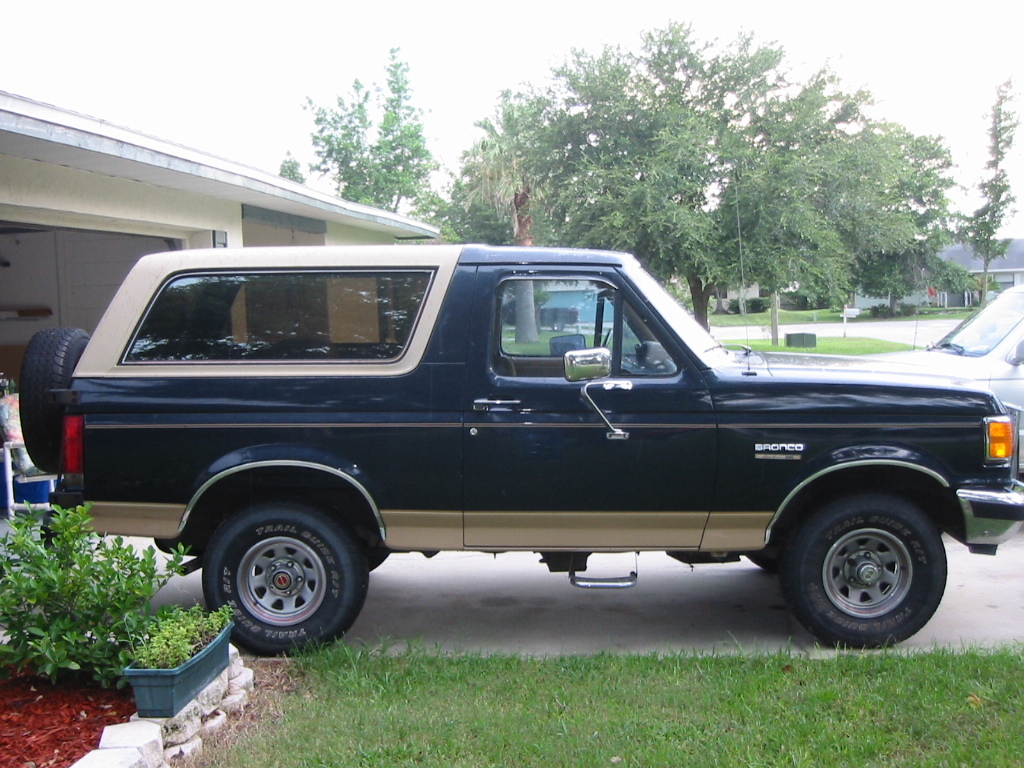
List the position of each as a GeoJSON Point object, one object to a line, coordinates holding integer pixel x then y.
{"type": "Point", "coordinates": [230, 78]}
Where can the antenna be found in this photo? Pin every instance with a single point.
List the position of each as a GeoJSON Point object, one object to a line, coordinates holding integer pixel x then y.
{"type": "Point", "coordinates": [743, 277]}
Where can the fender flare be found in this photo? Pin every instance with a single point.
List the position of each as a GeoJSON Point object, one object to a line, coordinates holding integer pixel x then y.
{"type": "Point", "coordinates": [271, 456]}
{"type": "Point", "coordinates": [855, 457]}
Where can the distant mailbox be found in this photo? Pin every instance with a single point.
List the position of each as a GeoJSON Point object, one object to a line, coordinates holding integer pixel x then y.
{"type": "Point", "coordinates": [801, 340]}
{"type": "Point", "coordinates": [851, 311]}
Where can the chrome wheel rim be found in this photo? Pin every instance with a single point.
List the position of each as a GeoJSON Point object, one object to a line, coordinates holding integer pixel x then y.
{"type": "Point", "coordinates": [282, 581]}
{"type": "Point", "coordinates": [867, 573]}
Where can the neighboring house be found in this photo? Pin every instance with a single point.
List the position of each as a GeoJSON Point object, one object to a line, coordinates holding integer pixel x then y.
{"type": "Point", "coordinates": [81, 200]}
{"type": "Point", "coordinates": [1007, 272]}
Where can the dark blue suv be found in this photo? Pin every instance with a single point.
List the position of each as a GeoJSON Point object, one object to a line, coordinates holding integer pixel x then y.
{"type": "Point", "coordinates": [294, 415]}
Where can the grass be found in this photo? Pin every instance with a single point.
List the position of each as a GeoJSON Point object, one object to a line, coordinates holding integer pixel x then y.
{"type": "Point", "coordinates": [787, 317]}
{"type": "Point", "coordinates": [358, 707]}
{"type": "Point", "coordinates": [827, 345]}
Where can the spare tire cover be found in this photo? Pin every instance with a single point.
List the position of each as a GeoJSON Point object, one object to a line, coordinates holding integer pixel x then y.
{"type": "Point", "coordinates": [49, 362]}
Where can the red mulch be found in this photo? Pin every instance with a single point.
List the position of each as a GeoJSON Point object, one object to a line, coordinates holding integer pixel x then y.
{"type": "Point", "coordinates": [52, 726]}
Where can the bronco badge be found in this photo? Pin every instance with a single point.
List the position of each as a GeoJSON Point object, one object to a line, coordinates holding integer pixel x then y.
{"type": "Point", "coordinates": [779, 451]}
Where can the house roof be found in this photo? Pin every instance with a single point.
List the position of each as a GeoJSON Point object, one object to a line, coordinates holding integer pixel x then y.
{"type": "Point", "coordinates": [36, 131]}
{"type": "Point", "coordinates": [964, 256]}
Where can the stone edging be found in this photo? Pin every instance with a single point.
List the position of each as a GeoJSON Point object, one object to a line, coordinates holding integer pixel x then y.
{"type": "Point", "coordinates": [151, 742]}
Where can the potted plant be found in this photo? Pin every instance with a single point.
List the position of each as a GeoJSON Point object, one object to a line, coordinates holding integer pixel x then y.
{"type": "Point", "coordinates": [183, 652]}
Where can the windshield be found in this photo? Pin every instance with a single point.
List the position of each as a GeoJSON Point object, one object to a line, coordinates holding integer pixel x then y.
{"type": "Point", "coordinates": [701, 342]}
{"type": "Point", "coordinates": [981, 333]}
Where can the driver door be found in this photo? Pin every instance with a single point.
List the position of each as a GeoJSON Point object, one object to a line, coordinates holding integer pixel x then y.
{"type": "Point", "coordinates": [540, 469]}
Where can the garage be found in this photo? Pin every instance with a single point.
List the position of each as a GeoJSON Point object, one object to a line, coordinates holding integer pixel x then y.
{"type": "Point", "coordinates": [52, 276]}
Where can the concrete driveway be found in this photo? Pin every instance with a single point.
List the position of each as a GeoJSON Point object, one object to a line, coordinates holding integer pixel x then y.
{"type": "Point", "coordinates": [511, 604]}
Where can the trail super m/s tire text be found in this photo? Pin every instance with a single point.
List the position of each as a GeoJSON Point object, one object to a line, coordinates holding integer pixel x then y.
{"type": "Point", "coordinates": [292, 574]}
{"type": "Point", "coordinates": [865, 571]}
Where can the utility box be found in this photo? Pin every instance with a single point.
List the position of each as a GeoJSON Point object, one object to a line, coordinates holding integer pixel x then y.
{"type": "Point", "coordinates": [806, 340]}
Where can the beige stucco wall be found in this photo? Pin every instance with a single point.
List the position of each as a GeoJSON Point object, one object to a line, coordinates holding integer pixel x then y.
{"type": "Point", "coordinates": [32, 192]}
{"type": "Point", "coordinates": [339, 234]}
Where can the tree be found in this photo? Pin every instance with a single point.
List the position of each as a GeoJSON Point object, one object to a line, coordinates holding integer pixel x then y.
{"type": "Point", "coordinates": [910, 213]}
{"type": "Point", "coordinates": [466, 218]}
{"type": "Point", "coordinates": [708, 164]}
{"type": "Point", "coordinates": [981, 229]}
{"type": "Point", "coordinates": [291, 170]}
{"type": "Point", "coordinates": [496, 169]}
{"type": "Point", "coordinates": [385, 163]}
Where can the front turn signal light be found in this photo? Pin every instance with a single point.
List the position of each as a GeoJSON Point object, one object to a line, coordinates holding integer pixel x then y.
{"type": "Point", "coordinates": [1001, 438]}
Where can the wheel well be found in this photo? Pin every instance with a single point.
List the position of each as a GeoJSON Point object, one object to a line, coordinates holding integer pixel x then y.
{"type": "Point", "coordinates": [339, 498]}
{"type": "Point", "coordinates": [922, 490]}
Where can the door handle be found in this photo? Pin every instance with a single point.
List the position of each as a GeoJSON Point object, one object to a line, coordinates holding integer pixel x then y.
{"type": "Point", "coordinates": [483, 404]}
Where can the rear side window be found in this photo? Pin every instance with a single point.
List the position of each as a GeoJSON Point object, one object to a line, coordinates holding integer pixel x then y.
{"type": "Point", "coordinates": [273, 316]}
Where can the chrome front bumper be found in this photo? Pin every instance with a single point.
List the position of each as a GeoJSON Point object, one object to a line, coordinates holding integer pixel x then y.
{"type": "Point", "coordinates": [991, 517]}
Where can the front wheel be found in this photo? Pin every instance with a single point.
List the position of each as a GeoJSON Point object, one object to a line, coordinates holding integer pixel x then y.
{"type": "Point", "coordinates": [292, 575]}
{"type": "Point", "coordinates": [866, 571]}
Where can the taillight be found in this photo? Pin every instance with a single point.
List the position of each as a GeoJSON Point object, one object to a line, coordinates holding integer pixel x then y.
{"type": "Point", "coordinates": [74, 445]}
{"type": "Point", "coordinates": [1001, 438]}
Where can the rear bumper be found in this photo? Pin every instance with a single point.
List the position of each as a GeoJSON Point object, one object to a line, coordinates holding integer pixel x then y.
{"type": "Point", "coordinates": [992, 516]}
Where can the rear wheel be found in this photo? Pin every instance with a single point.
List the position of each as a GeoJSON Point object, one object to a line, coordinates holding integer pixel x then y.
{"type": "Point", "coordinates": [866, 571]}
{"type": "Point", "coordinates": [293, 575]}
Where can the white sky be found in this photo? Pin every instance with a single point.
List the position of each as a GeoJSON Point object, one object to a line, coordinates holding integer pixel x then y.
{"type": "Point", "coordinates": [230, 78]}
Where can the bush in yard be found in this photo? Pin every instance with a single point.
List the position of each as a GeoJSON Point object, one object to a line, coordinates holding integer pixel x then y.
{"type": "Point", "coordinates": [72, 601]}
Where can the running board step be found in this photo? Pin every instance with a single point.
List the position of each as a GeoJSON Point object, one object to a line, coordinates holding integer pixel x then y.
{"type": "Point", "coordinates": [614, 582]}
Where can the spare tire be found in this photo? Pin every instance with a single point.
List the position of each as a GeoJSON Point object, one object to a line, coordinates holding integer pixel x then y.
{"type": "Point", "coordinates": [49, 362]}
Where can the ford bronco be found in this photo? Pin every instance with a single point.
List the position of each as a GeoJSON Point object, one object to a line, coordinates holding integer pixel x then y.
{"type": "Point", "coordinates": [294, 415]}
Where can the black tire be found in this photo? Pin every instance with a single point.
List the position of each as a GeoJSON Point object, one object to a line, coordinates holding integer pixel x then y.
{"type": "Point", "coordinates": [864, 572]}
{"type": "Point", "coordinates": [375, 557]}
{"type": "Point", "coordinates": [49, 362]}
{"type": "Point", "coordinates": [765, 560]}
{"type": "Point", "coordinates": [320, 565]}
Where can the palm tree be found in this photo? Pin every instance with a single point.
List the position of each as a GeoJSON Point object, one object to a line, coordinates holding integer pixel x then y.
{"type": "Point", "coordinates": [496, 169]}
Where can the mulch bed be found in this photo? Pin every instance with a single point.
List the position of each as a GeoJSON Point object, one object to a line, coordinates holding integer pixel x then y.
{"type": "Point", "coordinates": [52, 726]}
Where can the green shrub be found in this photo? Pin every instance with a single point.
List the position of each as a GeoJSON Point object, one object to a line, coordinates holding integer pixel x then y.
{"type": "Point", "coordinates": [178, 634]}
{"type": "Point", "coordinates": [72, 601]}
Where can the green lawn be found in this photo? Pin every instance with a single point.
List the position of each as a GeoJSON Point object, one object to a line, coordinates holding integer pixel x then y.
{"type": "Point", "coordinates": [827, 345]}
{"type": "Point", "coordinates": [826, 316]}
{"type": "Point", "coordinates": [366, 709]}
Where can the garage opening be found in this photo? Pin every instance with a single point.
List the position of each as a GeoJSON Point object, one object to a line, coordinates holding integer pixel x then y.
{"type": "Point", "coordinates": [51, 276]}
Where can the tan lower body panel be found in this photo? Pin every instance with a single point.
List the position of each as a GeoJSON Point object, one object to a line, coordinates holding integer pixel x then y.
{"type": "Point", "coordinates": [422, 530]}
{"type": "Point", "coordinates": [735, 531]}
{"type": "Point", "coordinates": [585, 530]}
{"type": "Point", "coordinates": [158, 521]}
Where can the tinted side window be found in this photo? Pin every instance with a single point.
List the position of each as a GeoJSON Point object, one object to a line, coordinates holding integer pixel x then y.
{"type": "Point", "coordinates": [540, 320]}
{"type": "Point", "coordinates": [281, 316]}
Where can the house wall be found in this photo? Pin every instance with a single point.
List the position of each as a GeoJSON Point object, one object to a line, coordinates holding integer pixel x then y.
{"type": "Point", "coordinates": [38, 193]}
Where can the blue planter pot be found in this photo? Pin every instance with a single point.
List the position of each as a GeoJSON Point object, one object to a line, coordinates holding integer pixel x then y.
{"type": "Point", "coordinates": [165, 692]}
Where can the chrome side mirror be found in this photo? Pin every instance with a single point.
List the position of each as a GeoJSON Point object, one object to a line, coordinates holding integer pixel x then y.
{"type": "Point", "coordinates": [1016, 357]}
{"type": "Point", "coordinates": [587, 364]}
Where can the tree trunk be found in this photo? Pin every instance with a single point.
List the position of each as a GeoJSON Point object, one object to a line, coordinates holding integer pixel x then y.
{"type": "Point", "coordinates": [526, 305]}
{"type": "Point", "coordinates": [522, 221]}
{"type": "Point", "coordinates": [700, 294]}
{"type": "Point", "coordinates": [776, 300]}
{"type": "Point", "coordinates": [894, 302]}
{"type": "Point", "coordinates": [526, 313]}
{"type": "Point", "coordinates": [984, 285]}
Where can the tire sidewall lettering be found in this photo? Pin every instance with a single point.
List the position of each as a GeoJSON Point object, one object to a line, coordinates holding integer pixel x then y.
{"type": "Point", "coordinates": [342, 565]}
